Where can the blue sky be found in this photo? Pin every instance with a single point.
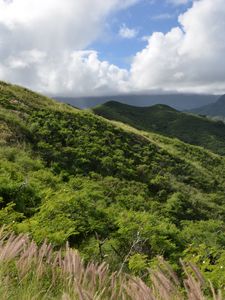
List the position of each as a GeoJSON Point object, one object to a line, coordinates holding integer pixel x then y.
{"type": "Point", "coordinates": [146, 17]}
{"type": "Point", "coordinates": [105, 47]}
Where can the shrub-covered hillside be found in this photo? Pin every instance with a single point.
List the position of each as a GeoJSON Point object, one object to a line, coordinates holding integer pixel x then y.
{"type": "Point", "coordinates": [115, 193]}
{"type": "Point", "coordinates": [162, 119]}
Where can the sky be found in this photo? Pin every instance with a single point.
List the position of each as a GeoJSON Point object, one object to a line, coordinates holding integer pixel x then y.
{"type": "Point", "coordinates": [107, 47]}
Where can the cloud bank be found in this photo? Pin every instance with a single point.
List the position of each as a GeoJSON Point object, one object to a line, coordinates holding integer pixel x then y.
{"type": "Point", "coordinates": [189, 58]}
{"type": "Point", "coordinates": [43, 45]}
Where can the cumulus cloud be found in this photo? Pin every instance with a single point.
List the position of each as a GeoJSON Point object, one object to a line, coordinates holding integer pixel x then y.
{"type": "Point", "coordinates": [43, 46]}
{"type": "Point", "coordinates": [189, 58]}
{"type": "Point", "coordinates": [49, 23]}
{"type": "Point", "coordinates": [81, 73]}
{"type": "Point", "coordinates": [41, 41]}
{"type": "Point", "coordinates": [127, 33]}
{"type": "Point", "coordinates": [77, 73]}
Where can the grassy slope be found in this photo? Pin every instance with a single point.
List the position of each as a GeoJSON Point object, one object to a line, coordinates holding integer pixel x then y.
{"type": "Point", "coordinates": [70, 175]}
{"type": "Point", "coordinates": [26, 117]}
{"type": "Point", "coordinates": [165, 120]}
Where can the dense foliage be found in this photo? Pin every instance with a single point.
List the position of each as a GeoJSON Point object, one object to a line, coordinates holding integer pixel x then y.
{"type": "Point", "coordinates": [117, 194]}
{"type": "Point", "coordinates": [162, 119]}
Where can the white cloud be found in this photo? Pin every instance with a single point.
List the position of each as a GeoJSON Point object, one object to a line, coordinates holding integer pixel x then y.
{"type": "Point", "coordinates": [43, 46]}
{"type": "Point", "coordinates": [127, 33]}
{"type": "Point", "coordinates": [25, 59]}
{"type": "Point", "coordinates": [41, 41]}
{"type": "Point", "coordinates": [84, 74]}
{"type": "Point", "coordinates": [78, 73]}
{"type": "Point", "coordinates": [189, 58]}
{"type": "Point", "coordinates": [48, 23]}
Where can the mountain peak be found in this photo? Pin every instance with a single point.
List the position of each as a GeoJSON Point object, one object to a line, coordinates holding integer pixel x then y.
{"type": "Point", "coordinates": [213, 109]}
{"type": "Point", "coordinates": [117, 104]}
{"type": "Point", "coordinates": [162, 107]}
{"type": "Point", "coordinates": [221, 100]}
{"type": "Point", "coordinates": [165, 120]}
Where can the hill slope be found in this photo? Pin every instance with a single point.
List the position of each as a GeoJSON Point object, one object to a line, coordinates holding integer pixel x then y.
{"type": "Point", "coordinates": [214, 109]}
{"type": "Point", "coordinates": [165, 120]}
{"type": "Point", "coordinates": [117, 194]}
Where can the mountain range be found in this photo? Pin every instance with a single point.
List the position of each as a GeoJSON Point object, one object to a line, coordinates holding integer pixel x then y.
{"type": "Point", "coordinates": [162, 119]}
{"type": "Point", "coordinates": [177, 101]}
{"type": "Point", "coordinates": [216, 109]}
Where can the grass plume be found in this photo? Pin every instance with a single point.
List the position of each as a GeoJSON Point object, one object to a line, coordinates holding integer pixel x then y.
{"type": "Point", "coordinates": [28, 271]}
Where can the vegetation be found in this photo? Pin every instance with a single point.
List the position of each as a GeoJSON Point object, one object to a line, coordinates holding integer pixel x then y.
{"type": "Point", "coordinates": [119, 195]}
{"type": "Point", "coordinates": [63, 275]}
{"type": "Point", "coordinates": [162, 119]}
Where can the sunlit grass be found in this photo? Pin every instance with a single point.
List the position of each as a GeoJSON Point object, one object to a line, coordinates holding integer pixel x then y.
{"type": "Point", "coordinates": [31, 272]}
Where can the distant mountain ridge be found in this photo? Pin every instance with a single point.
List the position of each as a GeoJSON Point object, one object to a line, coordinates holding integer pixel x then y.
{"type": "Point", "coordinates": [162, 119]}
{"type": "Point", "coordinates": [177, 101]}
{"type": "Point", "coordinates": [213, 109]}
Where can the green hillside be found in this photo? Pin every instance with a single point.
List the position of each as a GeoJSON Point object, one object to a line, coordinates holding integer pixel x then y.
{"type": "Point", "coordinates": [117, 194]}
{"type": "Point", "coordinates": [196, 130]}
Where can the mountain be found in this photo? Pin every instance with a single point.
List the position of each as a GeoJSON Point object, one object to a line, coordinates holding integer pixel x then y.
{"type": "Point", "coordinates": [192, 129]}
{"type": "Point", "coordinates": [177, 101]}
{"type": "Point", "coordinates": [213, 109]}
{"type": "Point", "coordinates": [117, 194]}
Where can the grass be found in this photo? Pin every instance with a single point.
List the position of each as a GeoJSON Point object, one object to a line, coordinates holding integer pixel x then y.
{"type": "Point", "coordinates": [203, 160]}
{"type": "Point", "coordinates": [20, 99]}
{"type": "Point", "coordinates": [28, 271]}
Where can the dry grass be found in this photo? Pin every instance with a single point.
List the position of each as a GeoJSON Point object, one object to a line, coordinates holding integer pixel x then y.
{"type": "Point", "coordinates": [31, 272]}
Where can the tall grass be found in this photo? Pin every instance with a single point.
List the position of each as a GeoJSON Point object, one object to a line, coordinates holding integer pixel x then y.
{"type": "Point", "coordinates": [31, 272]}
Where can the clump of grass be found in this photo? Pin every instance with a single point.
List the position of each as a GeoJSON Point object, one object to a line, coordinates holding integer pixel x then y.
{"type": "Point", "coordinates": [28, 271]}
